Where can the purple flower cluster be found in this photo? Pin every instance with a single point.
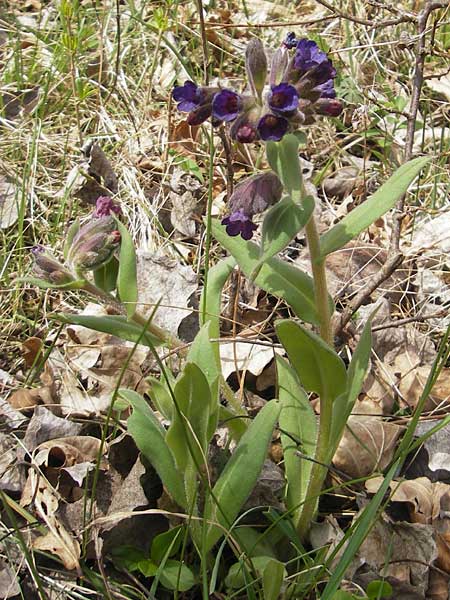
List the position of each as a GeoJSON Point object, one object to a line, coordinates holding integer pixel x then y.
{"type": "Point", "coordinates": [301, 86]}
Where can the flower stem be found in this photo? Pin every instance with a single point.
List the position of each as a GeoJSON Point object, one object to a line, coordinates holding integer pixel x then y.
{"type": "Point", "coordinates": [321, 458]}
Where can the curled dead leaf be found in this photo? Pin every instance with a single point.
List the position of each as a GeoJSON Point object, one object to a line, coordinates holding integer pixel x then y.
{"type": "Point", "coordinates": [367, 445]}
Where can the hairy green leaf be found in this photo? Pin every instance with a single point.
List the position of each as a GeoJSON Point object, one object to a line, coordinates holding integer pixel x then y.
{"type": "Point", "coordinates": [318, 366]}
{"type": "Point", "coordinates": [117, 325]}
{"type": "Point", "coordinates": [281, 224]}
{"type": "Point", "coordinates": [188, 432]}
{"type": "Point", "coordinates": [343, 405]}
{"type": "Point", "coordinates": [276, 276]}
{"type": "Point", "coordinates": [106, 276]}
{"type": "Point", "coordinates": [127, 276]}
{"type": "Point", "coordinates": [240, 474]}
{"type": "Point", "coordinates": [298, 434]}
{"type": "Point", "coordinates": [150, 438]}
{"type": "Point", "coordinates": [373, 208]}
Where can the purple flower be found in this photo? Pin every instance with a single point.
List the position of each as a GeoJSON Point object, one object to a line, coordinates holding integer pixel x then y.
{"type": "Point", "coordinates": [226, 105]}
{"type": "Point", "coordinates": [308, 55]}
{"type": "Point", "coordinates": [283, 98]}
{"type": "Point", "coordinates": [273, 128]}
{"type": "Point", "coordinates": [104, 206]}
{"type": "Point", "coordinates": [239, 223]}
{"type": "Point", "coordinates": [189, 96]}
{"type": "Point", "coordinates": [310, 60]}
{"type": "Point", "coordinates": [326, 89]}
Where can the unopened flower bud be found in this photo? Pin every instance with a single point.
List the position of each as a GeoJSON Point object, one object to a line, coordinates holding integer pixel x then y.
{"type": "Point", "coordinates": [256, 193]}
{"type": "Point", "coordinates": [245, 128]}
{"type": "Point", "coordinates": [48, 268]}
{"type": "Point", "coordinates": [256, 65]}
{"type": "Point", "coordinates": [104, 206]}
{"type": "Point", "coordinates": [328, 106]}
{"type": "Point", "coordinates": [94, 244]}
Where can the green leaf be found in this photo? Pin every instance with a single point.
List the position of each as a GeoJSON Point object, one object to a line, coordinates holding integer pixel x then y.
{"type": "Point", "coordinates": [113, 324]}
{"type": "Point", "coordinates": [379, 589]}
{"type": "Point", "coordinates": [149, 437]}
{"type": "Point", "coordinates": [318, 366]}
{"type": "Point", "coordinates": [190, 428]}
{"type": "Point", "coordinates": [177, 576]}
{"type": "Point", "coordinates": [356, 373]}
{"type": "Point", "coordinates": [127, 277]}
{"type": "Point", "coordinates": [240, 474]}
{"type": "Point", "coordinates": [297, 419]}
{"type": "Point", "coordinates": [373, 208]}
{"type": "Point", "coordinates": [106, 276]}
{"type": "Point", "coordinates": [71, 233]}
{"type": "Point", "coordinates": [160, 397]}
{"type": "Point", "coordinates": [217, 277]}
{"type": "Point", "coordinates": [276, 276]}
{"type": "Point", "coordinates": [273, 577]}
{"type": "Point", "coordinates": [205, 354]}
{"type": "Point", "coordinates": [167, 543]}
{"type": "Point", "coordinates": [238, 575]}
{"type": "Point", "coordinates": [77, 284]}
{"type": "Point", "coordinates": [284, 160]}
{"type": "Point", "coordinates": [281, 224]}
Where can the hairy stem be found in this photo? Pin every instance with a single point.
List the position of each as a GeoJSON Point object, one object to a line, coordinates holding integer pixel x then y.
{"type": "Point", "coordinates": [321, 457]}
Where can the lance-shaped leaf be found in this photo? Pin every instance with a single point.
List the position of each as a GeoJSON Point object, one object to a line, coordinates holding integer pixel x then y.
{"type": "Point", "coordinates": [356, 373]}
{"type": "Point", "coordinates": [210, 300]}
{"type": "Point", "coordinates": [149, 437]}
{"type": "Point", "coordinates": [373, 208]}
{"type": "Point", "coordinates": [117, 325]}
{"type": "Point", "coordinates": [281, 224]}
{"type": "Point", "coordinates": [187, 435]}
{"type": "Point", "coordinates": [71, 233]}
{"type": "Point", "coordinates": [318, 366]}
{"type": "Point", "coordinates": [240, 474]}
{"type": "Point", "coordinates": [277, 277]}
{"type": "Point", "coordinates": [298, 435]}
{"type": "Point", "coordinates": [284, 160]}
{"type": "Point", "coordinates": [205, 355]}
{"type": "Point", "coordinates": [127, 276]}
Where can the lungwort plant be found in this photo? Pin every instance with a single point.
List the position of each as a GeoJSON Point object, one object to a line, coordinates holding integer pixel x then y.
{"type": "Point", "coordinates": [174, 427]}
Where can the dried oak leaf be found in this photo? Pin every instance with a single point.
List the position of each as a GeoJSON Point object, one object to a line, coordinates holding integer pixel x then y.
{"type": "Point", "coordinates": [58, 540]}
{"type": "Point", "coordinates": [367, 445]}
{"type": "Point", "coordinates": [99, 178]}
{"type": "Point", "coordinates": [163, 279]}
{"type": "Point", "coordinates": [422, 496]}
{"type": "Point", "coordinates": [402, 552]}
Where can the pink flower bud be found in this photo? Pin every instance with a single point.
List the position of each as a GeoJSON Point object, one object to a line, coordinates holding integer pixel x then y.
{"type": "Point", "coordinates": [47, 267]}
{"type": "Point", "coordinates": [94, 244]}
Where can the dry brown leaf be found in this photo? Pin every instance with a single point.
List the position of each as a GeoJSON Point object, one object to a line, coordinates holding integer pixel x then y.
{"type": "Point", "coordinates": [98, 179]}
{"type": "Point", "coordinates": [422, 496]}
{"type": "Point", "coordinates": [368, 445]}
{"type": "Point", "coordinates": [240, 356]}
{"type": "Point", "coordinates": [9, 202]}
{"type": "Point", "coordinates": [401, 551]}
{"type": "Point", "coordinates": [32, 351]}
{"type": "Point", "coordinates": [164, 279]}
{"type": "Point", "coordinates": [58, 540]}
{"type": "Point", "coordinates": [438, 586]}
{"type": "Point", "coordinates": [9, 581]}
